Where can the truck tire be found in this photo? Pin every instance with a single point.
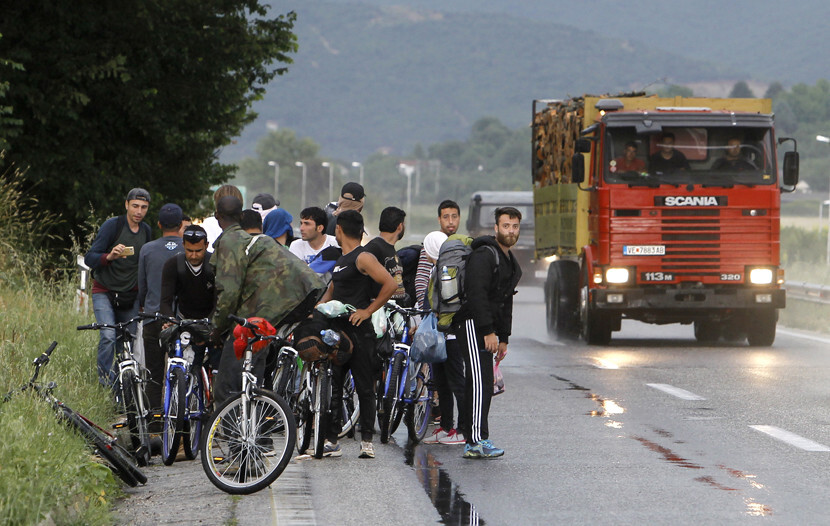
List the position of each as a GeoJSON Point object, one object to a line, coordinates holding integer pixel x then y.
{"type": "Point", "coordinates": [762, 333]}
{"type": "Point", "coordinates": [562, 300]}
{"type": "Point", "coordinates": [596, 326]}
{"type": "Point", "coordinates": [707, 331]}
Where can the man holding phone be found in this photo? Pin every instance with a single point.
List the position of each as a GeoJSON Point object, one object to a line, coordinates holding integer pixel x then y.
{"type": "Point", "coordinates": [113, 258]}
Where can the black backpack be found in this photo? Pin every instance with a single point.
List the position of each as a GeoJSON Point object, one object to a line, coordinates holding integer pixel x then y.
{"type": "Point", "coordinates": [409, 257]}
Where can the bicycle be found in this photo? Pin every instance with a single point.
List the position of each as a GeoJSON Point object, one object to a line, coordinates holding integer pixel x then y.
{"type": "Point", "coordinates": [249, 437]}
{"type": "Point", "coordinates": [403, 397]}
{"type": "Point", "coordinates": [132, 397]}
{"type": "Point", "coordinates": [184, 400]}
{"type": "Point", "coordinates": [103, 444]}
{"type": "Point", "coordinates": [289, 369]}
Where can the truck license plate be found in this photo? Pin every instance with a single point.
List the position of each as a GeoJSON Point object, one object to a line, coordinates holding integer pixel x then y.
{"type": "Point", "coordinates": [644, 250]}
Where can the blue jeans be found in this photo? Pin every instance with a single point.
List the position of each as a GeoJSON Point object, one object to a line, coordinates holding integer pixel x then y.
{"type": "Point", "coordinates": [105, 313]}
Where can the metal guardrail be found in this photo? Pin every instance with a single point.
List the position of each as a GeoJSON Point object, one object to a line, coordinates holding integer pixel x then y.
{"type": "Point", "coordinates": [811, 292]}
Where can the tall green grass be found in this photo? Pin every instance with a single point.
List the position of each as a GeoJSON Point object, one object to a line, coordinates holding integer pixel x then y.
{"type": "Point", "coordinates": [47, 474]}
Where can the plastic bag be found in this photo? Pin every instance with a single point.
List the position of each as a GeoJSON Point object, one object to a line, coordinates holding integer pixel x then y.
{"type": "Point", "coordinates": [334, 308]}
{"type": "Point", "coordinates": [379, 322]}
{"type": "Point", "coordinates": [498, 380]}
{"type": "Point", "coordinates": [428, 345]}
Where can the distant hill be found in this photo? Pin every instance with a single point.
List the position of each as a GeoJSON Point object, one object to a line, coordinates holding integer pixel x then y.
{"type": "Point", "coordinates": [369, 77]}
{"type": "Point", "coordinates": [768, 40]}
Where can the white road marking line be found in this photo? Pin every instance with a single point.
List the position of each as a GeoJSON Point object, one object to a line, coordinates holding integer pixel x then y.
{"type": "Point", "coordinates": [791, 438]}
{"type": "Point", "coordinates": [804, 336]}
{"type": "Point", "coordinates": [676, 391]}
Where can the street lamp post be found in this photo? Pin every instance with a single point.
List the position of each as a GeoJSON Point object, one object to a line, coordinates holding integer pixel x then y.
{"type": "Point", "coordinates": [407, 170]}
{"type": "Point", "coordinates": [276, 166]}
{"type": "Point", "coordinates": [826, 140]}
{"type": "Point", "coordinates": [359, 165]}
{"type": "Point", "coordinates": [330, 166]}
{"type": "Point", "coordinates": [302, 191]}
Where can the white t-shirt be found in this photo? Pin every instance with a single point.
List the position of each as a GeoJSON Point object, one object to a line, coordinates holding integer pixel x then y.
{"type": "Point", "coordinates": [211, 226]}
{"type": "Point", "coordinates": [302, 249]}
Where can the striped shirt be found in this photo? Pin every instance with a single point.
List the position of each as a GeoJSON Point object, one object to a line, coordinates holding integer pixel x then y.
{"type": "Point", "coordinates": [422, 279]}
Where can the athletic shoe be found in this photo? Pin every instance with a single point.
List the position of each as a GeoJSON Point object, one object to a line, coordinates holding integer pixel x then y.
{"type": "Point", "coordinates": [331, 450]}
{"type": "Point", "coordinates": [482, 449]}
{"type": "Point", "coordinates": [452, 438]}
{"type": "Point", "coordinates": [436, 436]}
{"type": "Point", "coordinates": [366, 450]}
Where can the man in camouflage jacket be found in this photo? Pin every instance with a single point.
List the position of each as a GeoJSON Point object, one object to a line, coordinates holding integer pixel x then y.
{"type": "Point", "coordinates": [255, 276]}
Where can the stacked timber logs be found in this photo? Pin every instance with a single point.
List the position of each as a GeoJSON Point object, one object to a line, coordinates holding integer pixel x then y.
{"type": "Point", "coordinates": [556, 129]}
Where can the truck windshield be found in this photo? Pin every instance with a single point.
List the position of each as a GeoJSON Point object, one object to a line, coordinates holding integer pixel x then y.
{"type": "Point", "coordinates": [714, 156]}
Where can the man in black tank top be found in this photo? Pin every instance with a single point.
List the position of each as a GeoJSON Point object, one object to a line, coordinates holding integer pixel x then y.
{"type": "Point", "coordinates": [353, 279]}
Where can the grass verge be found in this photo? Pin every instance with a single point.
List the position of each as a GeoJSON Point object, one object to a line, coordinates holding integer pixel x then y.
{"type": "Point", "coordinates": [47, 474]}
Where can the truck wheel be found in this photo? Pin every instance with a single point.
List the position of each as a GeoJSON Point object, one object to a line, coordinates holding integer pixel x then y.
{"type": "Point", "coordinates": [762, 333]}
{"type": "Point", "coordinates": [596, 326]}
{"type": "Point", "coordinates": [562, 300]}
{"type": "Point", "coordinates": [707, 331]}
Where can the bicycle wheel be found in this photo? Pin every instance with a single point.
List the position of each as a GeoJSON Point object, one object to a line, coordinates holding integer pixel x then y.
{"type": "Point", "coordinates": [303, 418]}
{"type": "Point", "coordinates": [284, 379]}
{"type": "Point", "coordinates": [105, 446]}
{"type": "Point", "coordinates": [322, 406]}
{"type": "Point", "coordinates": [193, 417]}
{"type": "Point", "coordinates": [242, 455]}
{"type": "Point", "coordinates": [207, 386]}
{"type": "Point", "coordinates": [136, 420]}
{"type": "Point", "coordinates": [389, 397]}
{"type": "Point", "coordinates": [351, 407]}
{"type": "Point", "coordinates": [174, 416]}
{"type": "Point", "coordinates": [417, 417]}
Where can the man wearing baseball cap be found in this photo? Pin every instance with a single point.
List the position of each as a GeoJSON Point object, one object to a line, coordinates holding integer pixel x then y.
{"type": "Point", "coordinates": [113, 258]}
{"type": "Point", "coordinates": [352, 197]}
{"type": "Point", "coordinates": [150, 265]}
{"type": "Point", "coordinates": [264, 203]}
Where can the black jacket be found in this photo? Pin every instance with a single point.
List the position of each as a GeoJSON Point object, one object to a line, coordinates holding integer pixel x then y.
{"type": "Point", "coordinates": [488, 290]}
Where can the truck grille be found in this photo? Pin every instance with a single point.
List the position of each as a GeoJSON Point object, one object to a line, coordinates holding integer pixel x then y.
{"type": "Point", "coordinates": [698, 242]}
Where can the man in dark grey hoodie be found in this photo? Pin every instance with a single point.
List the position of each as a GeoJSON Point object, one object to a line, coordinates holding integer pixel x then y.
{"type": "Point", "coordinates": [150, 265]}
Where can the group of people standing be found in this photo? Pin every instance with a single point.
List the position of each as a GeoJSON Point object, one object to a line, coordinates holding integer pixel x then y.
{"type": "Point", "coordinates": [246, 262]}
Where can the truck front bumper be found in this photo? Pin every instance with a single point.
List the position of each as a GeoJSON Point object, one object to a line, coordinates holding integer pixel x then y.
{"type": "Point", "coordinates": [687, 299]}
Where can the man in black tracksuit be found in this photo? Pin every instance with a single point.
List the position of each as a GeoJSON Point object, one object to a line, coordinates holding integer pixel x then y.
{"type": "Point", "coordinates": [483, 324]}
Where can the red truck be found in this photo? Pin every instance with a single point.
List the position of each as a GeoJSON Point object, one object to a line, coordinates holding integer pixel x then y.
{"type": "Point", "coordinates": [663, 210]}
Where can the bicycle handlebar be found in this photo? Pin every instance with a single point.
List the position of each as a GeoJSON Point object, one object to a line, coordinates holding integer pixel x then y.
{"type": "Point", "coordinates": [408, 311]}
{"type": "Point", "coordinates": [241, 321]}
{"type": "Point", "coordinates": [44, 357]}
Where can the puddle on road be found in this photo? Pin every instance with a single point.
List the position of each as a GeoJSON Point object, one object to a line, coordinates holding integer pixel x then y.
{"type": "Point", "coordinates": [441, 490]}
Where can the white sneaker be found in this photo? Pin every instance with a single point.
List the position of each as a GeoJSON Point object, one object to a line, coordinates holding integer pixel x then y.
{"type": "Point", "coordinates": [436, 436]}
{"type": "Point", "coordinates": [366, 450]}
{"type": "Point", "coordinates": [453, 438]}
{"type": "Point", "coordinates": [331, 450]}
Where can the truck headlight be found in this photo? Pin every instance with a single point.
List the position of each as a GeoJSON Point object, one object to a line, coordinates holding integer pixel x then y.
{"type": "Point", "coordinates": [616, 275]}
{"type": "Point", "coordinates": [761, 276]}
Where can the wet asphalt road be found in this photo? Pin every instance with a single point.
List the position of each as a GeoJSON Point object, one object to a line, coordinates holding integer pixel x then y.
{"type": "Point", "coordinates": [652, 429]}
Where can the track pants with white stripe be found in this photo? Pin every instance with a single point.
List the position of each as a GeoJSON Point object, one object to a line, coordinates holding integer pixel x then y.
{"type": "Point", "coordinates": [478, 382]}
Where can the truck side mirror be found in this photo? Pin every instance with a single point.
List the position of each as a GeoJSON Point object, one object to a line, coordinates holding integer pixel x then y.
{"type": "Point", "coordinates": [583, 146]}
{"type": "Point", "coordinates": [790, 171]}
{"type": "Point", "coordinates": [578, 168]}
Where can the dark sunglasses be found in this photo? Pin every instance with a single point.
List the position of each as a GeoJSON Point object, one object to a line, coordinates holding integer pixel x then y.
{"type": "Point", "coordinates": [194, 235]}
